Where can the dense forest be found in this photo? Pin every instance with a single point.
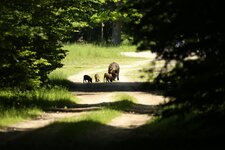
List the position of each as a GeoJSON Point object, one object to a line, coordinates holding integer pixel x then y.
{"type": "Point", "coordinates": [191, 32]}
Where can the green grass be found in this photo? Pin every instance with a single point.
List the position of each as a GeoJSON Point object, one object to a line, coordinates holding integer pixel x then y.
{"type": "Point", "coordinates": [147, 73]}
{"type": "Point", "coordinates": [139, 75]}
{"type": "Point", "coordinates": [86, 56]}
{"type": "Point", "coordinates": [14, 115]}
{"type": "Point", "coordinates": [41, 98]}
{"type": "Point", "coordinates": [85, 123]}
{"type": "Point", "coordinates": [123, 102]}
{"type": "Point", "coordinates": [120, 97]}
{"type": "Point", "coordinates": [16, 105]}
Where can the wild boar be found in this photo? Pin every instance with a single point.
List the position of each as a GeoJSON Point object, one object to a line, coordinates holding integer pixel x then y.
{"type": "Point", "coordinates": [97, 78]}
{"type": "Point", "coordinates": [87, 78]}
{"type": "Point", "coordinates": [107, 77]}
{"type": "Point", "coordinates": [114, 69]}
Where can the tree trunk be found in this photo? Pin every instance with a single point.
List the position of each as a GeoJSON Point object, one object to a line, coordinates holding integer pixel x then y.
{"type": "Point", "coordinates": [116, 32]}
{"type": "Point", "coordinates": [102, 32]}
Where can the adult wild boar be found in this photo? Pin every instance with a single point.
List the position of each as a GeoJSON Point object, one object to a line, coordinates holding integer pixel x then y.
{"type": "Point", "coordinates": [114, 69]}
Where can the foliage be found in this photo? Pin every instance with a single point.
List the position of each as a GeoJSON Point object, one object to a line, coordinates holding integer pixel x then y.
{"type": "Point", "coordinates": [192, 33]}
{"type": "Point", "coordinates": [31, 38]}
{"type": "Point", "coordinates": [107, 12]}
{"type": "Point", "coordinates": [112, 10]}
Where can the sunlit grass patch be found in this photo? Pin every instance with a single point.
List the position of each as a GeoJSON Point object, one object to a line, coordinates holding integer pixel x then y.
{"type": "Point", "coordinates": [40, 98]}
{"type": "Point", "coordinates": [138, 75]}
{"type": "Point", "coordinates": [86, 56]}
{"type": "Point", "coordinates": [121, 97]}
{"type": "Point", "coordinates": [16, 105]}
{"type": "Point", "coordinates": [86, 122]}
{"type": "Point", "coordinates": [147, 73]}
{"type": "Point", "coordinates": [122, 102]}
{"type": "Point", "coordinates": [14, 115]}
{"type": "Point", "coordinates": [102, 116]}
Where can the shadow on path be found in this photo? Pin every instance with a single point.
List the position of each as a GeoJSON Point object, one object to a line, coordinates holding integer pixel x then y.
{"type": "Point", "coordinates": [112, 87]}
{"type": "Point", "coordinates": [107, 87]}
{"type": "Point", "coordinates": [84, 136]}
{"type": "Point", "coordinates": [130, 107]}
{"type": "Point", "coordinates": [66, 135]}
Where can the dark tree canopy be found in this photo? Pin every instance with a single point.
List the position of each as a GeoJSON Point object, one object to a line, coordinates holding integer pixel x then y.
{"type": "Point", "coordinates": [176, 30]}
{"type": "Point", "coordinates": [31, 37]}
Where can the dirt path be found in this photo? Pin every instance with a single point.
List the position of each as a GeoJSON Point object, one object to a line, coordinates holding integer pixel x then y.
{"type": "Point", "coordinates": [97, 93]}
{"type": "Point", "coordinates": [146, 102]}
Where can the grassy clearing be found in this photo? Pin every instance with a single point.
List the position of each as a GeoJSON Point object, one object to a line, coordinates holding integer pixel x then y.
{"type": "Point", "coordinates": [18, 105]}
{"type": "Point", "coordinates": [86, 56]}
